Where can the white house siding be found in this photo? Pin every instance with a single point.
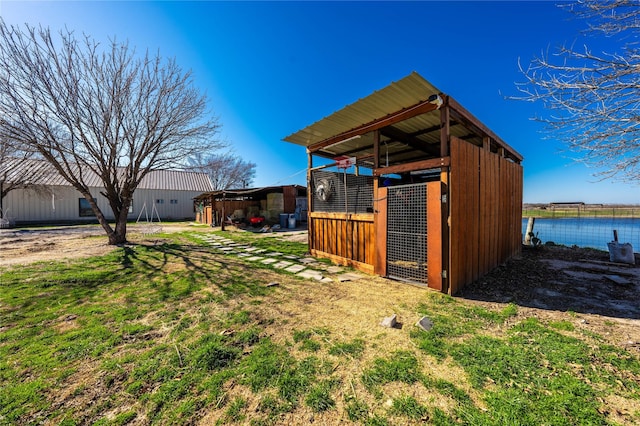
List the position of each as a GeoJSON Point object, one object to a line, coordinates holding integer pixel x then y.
{"type": "Point", "coordinates": [167, 194]}
{"type": "Point", "coordinates": [61, 204]}
{"type": "Point", "coordinates": [145, 199]}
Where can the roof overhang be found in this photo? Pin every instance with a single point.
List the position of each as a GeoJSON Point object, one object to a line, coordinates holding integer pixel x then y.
{"type": "Point", "coordinates": [248, 193]}
{"type": "Point", "coordinates": [405, 117]}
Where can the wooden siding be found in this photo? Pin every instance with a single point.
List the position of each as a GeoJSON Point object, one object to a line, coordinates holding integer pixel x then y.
{"type": "Point", "coordinates": [486, 212]}
{"type": "Point", "coordinates": [347, 239]}
{"type": "Point", "coordinates": [289, 194]}
{"type": "Point", "coordinates": [205, 217]}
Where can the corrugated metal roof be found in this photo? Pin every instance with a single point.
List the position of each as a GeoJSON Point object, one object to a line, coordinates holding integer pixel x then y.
{"type": "Point", "coordinates": [41, 172]}
{"type": "Point", "coordinates": [176, 180]}
{"type": "Point", "coordinates": [401, 94]}
{"type": "Point", "coordinates": [33, 172]}
{"type": "Point", "coordinates": [415, 138]}
{"type": "Point", "coordinates": [248, 192]}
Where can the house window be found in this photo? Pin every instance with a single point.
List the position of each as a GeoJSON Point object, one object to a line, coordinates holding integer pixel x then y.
{"type": "Point", "coordinates": [174, 201]}
{"type": "Point", "coordinates": [84, 208]}
{"type": "Point", "coordinates": [131, 207]}
{"type": "Point", "coordinates": [160, 201]}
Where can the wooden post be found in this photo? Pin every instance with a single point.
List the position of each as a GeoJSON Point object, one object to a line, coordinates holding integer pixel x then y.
{"type": "Point", "coordinates": [445, 232]}
{"type": "Point", "coordinates": [214, 212]}
{"type": "Point", "coordinates": [376, 149]}
{"type": "Point", "coordinates": [223, 214]}
{"type": "Point", "coordinates": [486, 143]}
{"type": "Point", "coordinates": [310, 193]}
{"type": "Point", "coordinates": [529, 233]}
{"type": "Point", "coordinates": [380, 229]}
{"type": "Point", "coordinates": [445, 129]}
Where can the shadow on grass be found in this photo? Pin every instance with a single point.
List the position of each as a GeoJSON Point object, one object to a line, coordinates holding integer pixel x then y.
{"type": "Point", "coordinates": [200, 267]}
{"type": "Point", "coordinates": [171, 269]}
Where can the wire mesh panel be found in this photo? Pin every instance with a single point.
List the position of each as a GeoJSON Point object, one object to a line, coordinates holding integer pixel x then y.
{"type": "Point", "coordinates": [407, 233]}
{"type": "Point", "coordinates": [584, 225]}
{"type": "Point", "coordinates": [337, 192]}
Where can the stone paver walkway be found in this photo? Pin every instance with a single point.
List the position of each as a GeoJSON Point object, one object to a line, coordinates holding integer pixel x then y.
{"type": "Point", "coordinates": [306, 267]}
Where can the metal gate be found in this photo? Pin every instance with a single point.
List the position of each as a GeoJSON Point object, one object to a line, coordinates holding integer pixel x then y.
{"type": "Point", "coordinates": [407, 233]}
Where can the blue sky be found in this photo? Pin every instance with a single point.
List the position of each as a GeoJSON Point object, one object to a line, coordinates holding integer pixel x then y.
{"type": "Point", "coordinates": [272, 68]}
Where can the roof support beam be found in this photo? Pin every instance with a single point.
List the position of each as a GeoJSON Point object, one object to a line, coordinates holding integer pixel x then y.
{"type": "Point", "coordinates": [351, 151]}
{"type": "Point", "coordinates": [416, 165]}
{"type": "Point", "coordinates": [400, 136]}
{"type": "Point", "coordinates": [367, 160]}
{"type": "Point", "coordinates": [369, 148]}
{"type": "Point", "coordinates": [420, 108]}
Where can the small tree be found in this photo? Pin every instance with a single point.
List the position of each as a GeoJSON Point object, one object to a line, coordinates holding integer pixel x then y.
{"type": "Point", "coordinates": [226, 171]}
{"type": "Point", "coordinates": [593, 99]}
{"type": "Point", "coordinates": [99, 112]}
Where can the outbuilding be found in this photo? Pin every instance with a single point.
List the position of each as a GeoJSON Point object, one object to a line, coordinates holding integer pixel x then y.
{"type": "Point", "coordinates": [243, 204]}
{"type": "Point", "coordinates": [407, 184]}
{"type": "Point", "coordinates": [48, 198]}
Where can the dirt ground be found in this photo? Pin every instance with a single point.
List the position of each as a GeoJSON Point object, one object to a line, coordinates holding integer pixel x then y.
{"type": "Point", "coordinates": [24, 246]}
{"type": "Point", "coordinates": [558, 283]}
{"type": "Point", "coordinates": [548, 282]}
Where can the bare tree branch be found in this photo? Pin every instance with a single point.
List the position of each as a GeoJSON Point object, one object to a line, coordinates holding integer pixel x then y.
{"type": "Point", "coordinates": [226, 171]}
{"type": "Point", "coordinates": [103, 110]}
{"type": "Point", "coordinates": [592, 100]}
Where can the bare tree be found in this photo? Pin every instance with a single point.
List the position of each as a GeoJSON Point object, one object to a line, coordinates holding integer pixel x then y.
{"type": "Point", "coordinates": [226, 171]}
{"type": "Point", "coordinates": [94, 111]}
{"type": "Point", "coordinates": [592, 99]}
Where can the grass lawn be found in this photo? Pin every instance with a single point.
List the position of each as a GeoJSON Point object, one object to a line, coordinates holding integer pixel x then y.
{"type": "Point", "coordinates": [171, 332]}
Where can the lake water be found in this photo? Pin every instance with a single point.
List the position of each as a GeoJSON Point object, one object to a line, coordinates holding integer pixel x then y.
{"type": "Point", "coordinates": [586, 232]}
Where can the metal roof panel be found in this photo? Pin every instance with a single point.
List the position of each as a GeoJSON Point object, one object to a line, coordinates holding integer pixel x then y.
{"type": "Point", "coordinates": [401, 94]}
{"type": "Point", "coordinates": [43, 173]}
{"type": "Point", "coordinates": [345, 131]}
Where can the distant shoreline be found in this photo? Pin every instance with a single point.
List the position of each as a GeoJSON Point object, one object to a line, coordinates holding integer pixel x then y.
{"type": "Point", "coordinates": [577, 209]}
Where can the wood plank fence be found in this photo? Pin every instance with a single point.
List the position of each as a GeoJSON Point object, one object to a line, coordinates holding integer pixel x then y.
{"type": "Point", "coordinates": [346, 239]}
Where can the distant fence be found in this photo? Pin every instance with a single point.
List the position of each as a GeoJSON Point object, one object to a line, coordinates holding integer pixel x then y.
{"type": "Point", "coordinates": [584, 225]}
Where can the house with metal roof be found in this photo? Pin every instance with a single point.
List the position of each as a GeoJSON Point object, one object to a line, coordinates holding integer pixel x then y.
{"type": "Point", "coordinates": [407, 184]}
{"type": "Point", "coordinates": [48, 198]}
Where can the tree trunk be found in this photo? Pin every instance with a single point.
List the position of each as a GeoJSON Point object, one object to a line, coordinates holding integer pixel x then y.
{"type": "Point", "coordinates": [113, 240]}
{"type": "Point", "coordinates": [529, 234]}
{"type": "Point", "coordinates": [120, 234]}
{"type": "Point", "coordinates": [114, 237]}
